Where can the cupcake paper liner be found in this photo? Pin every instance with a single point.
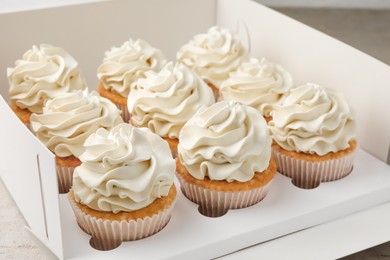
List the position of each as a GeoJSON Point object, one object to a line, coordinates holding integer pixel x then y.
{"type": "Point", "coordinates": [65, 178]}
{"type": "Point", "coordinates": [309, 175]}
{"type": "Point", "coordinates": [125, 112]}
{"type": "Point", "coordinates": [107, 235]}
{"type": "Point", "coordinates": [214, 203]}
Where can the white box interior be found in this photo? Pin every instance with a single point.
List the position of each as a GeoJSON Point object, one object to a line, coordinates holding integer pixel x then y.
{"type": "Point", "coordinates": [87, 31]}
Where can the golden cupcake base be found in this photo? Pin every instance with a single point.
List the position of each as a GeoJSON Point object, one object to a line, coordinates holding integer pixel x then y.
{"type": "Point", "coordinates": [109, 230]}
{"type": "Point", "coordinates": [216, 198]}
{"type": "Point", "coordinates": [173, 143]}
{"type": "Point", "coordinates": [307, 171]}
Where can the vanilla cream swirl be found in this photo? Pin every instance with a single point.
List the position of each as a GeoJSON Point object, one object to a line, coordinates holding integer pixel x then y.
{"type": "Point", "coordinates": [70, 118]}
{"type": "Point", "coordinates": [122, 66]}
{"type": "Point", "coordinates": [213, 55]}
{"type": "Point", "coordinates": [166, 100]}
{"type": "Point", "coordinates": [259, 84]}
{"type": "Point", "coordinates": [44, 72]}
{"type": "Point", "coordinates": [124, 169]}
{"type": "Point", "coordinates": [227, 141]}
{"type": "Point", "coordinates": [314, 120]}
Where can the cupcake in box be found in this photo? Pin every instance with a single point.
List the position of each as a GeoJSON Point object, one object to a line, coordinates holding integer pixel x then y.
{"type": "Point", "coordinates": [315, 136]}
{"type": "Point", "coordinates": [224, 158]}
{"type": "Point", "coordinates": [123, 66]}
{"type": "Point", "coordinates": [213, 56]}
{"type": "Point", "coordinates": [259, 84]}
{"type": "Point", "coordinates": [123, 190]}
{"type": "Point", "coordinates": [43, 73]}
{"type": "Point", "coordinates": [166, 100]}
{"type": "Point", "coordinates": [66, 122]}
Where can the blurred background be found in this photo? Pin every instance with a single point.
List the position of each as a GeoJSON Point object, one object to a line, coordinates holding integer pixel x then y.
{"type": "Point", "coordinates": [363, 24]}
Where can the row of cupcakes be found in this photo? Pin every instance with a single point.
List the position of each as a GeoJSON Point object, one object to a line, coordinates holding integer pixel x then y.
{"type": "Point", "coordinates": [312, 124]}
{"type": "Point", "coordinates": [217, 57]}
{"type": "Point", "coordinates": [223, 148]}
{"type": "Point", "coordinates": [164, 97]}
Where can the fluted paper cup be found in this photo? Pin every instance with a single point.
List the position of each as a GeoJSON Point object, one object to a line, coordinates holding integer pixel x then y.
{"type": "Point", "coordinates": [309, 174]}
{"type": "Point", "coordinates": [109, 234]}
{"type": "Point", "coordinates": [65, 178]}
{"type": "Point", "coordinates": [214, 203]}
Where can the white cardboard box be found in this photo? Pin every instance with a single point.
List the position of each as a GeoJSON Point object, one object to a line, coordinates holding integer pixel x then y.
{"type": "Point", "coordinates": [86, 31]}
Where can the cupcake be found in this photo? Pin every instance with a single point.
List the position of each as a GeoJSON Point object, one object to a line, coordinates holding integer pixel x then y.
{"type": "Point", "coordinates": [66, 122]}
{"type": "Point", "coordinates": [123, 66]}
{"type": "Point", "coordinates": [43, 73]}
{"type": "Point", "coordinates": [123, 190]}
{"type": "Point", "coordinates": [213, 56]}
{"type": "Point", "coordinates": [259, 84]}
{"type": "Point", "coordinates": [166, 100]}
{"type": "Point", "coordinates": [314, 133]}
{"type": "Point", "coordinates": [224, 158]}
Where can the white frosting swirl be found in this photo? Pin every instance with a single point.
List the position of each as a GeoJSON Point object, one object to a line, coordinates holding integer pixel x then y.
{"type": "Point", "coordinates": [124, 169]}
{"type": "Point", "coordinates": [227, 141]}
{"type": "Point", "coordinates": [123, 66]}
{"type": "Point", "coordinates": [259, 84]}
{"type": "Point", "coordinates": [313, 120]}
{"type": "Point", "coordinates": [213, 55]}
{"type": "Point", "coordinates": [165, 101]}
{"type": "Point", "coordinates": [43, 73]}
{"type": "Point", "coordinates": [70, 118]}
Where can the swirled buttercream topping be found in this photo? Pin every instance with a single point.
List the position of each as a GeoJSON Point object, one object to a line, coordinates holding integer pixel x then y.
{"type": "Point", "coordinates": [227, 141]}
{"type": "Point", "coordinates": [314, 120]}
{"type": "Point", "coordinates": [124, 169]}
{"type": "Point", "coordinates": [259, 84]}
{"type": "Point", "coordinates": [123, 66]}
{"type": "Point", "coordinates": [70, 118]}
{"type": "Point", "coordinates": [43, 73]}
{"type": "Point", "coordinates": [166, 100]}
{"type": "Point", "coordinates": [213, 55]}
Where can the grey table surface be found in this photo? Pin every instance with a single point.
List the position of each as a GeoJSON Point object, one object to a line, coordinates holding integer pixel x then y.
{"type": "Point", "coordinates": [367, 30]}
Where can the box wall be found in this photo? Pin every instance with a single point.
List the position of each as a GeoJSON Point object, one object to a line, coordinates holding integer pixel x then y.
{"type": "Point", "coordinates": [87, 31]}
{"type": "Point", "coordinates": [26, 165]}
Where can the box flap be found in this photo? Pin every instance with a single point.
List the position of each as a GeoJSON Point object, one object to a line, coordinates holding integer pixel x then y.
{"type": "Point", "coordinates": [312, 56]}
{"type": "Point", "coordinates": [28, 172]}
